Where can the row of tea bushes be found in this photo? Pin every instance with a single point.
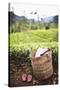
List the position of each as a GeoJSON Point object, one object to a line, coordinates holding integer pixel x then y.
{"type": "Point", "coordinates": [21, 56]}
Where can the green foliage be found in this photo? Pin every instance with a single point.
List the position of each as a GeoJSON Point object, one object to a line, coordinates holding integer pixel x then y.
{"type": "Point", "coordinates": [34, 27]}
{"type": "Point", "coordinates": [21, 56]}
{"type": "Point", "coordinates": [24, 24]}
{"type": "Point", "coordinates": [55, 19]}
{"type": "Point", "coordinates": [22, 42]}
{"type": "Point", "coordinates": [47, 26]}
{"type": "Point", "coordinates": [55, 55]}
{"type": "Point", "coordinates": [55, 35]}
{"type": "Point", "coordinates": [19, 26]}
{"type": "Point", "coordinates": [37, 25]}
{"type": "Point", "coordinates": [52, 25]}
{"type": "Point", "coordinates": [37, 36]}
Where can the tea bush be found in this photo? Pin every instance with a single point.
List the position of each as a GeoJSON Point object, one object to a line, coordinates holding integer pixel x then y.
{"type": "Point", "coordinates": [21, 56]}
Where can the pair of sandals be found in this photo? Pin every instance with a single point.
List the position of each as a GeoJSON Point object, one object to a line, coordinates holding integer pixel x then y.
{"type": "Point", "coordinates": [26, 78]}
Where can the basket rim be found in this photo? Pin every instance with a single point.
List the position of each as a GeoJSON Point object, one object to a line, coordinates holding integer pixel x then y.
{"type": "Point", "coordinates": [39, 57]}
{"type": "Point", "coordinates": [33, 57]}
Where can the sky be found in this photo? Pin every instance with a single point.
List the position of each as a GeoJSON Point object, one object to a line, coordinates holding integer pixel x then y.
{"type": "Point", "coordinates": [27, 9]}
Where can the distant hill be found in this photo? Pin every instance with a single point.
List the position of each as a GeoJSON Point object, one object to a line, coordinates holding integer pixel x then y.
{"type": "Point", "coordinates": [17, 18]}
{"type": "Point", "coordinates": [48, 19]}
{"type": "Point", "coordinates": [13, 17]}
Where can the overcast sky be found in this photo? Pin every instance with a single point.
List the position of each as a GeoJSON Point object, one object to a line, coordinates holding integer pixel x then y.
{"type": "Point", "coordinates": [26, 9]}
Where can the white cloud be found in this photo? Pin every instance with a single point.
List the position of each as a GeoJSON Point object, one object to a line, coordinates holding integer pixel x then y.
{"type": "Point", "coordinates": [26, 9]}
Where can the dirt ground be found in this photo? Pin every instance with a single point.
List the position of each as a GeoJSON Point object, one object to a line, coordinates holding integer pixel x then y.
{"type": "Point", "coordinates": [16, 74]}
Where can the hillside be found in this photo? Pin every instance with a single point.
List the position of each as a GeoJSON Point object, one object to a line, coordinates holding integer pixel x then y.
{"type": "Point", "coordinates": [13, 17]}
{"type": "Point", "coordinates": [34, 38]}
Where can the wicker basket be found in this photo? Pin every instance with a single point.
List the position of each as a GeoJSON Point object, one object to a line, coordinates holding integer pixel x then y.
{"type": "Point", "coordinates": [42, 66]}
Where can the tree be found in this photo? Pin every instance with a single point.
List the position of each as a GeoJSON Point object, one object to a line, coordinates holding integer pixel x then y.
{"type": "Point", "coordinates": [23, 24]}
{"type": "Point", "coordinates": [55, 20]}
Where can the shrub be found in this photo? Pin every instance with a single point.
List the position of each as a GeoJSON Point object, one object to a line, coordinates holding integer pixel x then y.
{"type": "Point", "coordinates": [55, 55]}
{"type": "Point", "coordinates": [34, 27]}
{"type": "Point", "coordinates": [47, 27]}
{"type": "Point", "coordinates": [19, 57]}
